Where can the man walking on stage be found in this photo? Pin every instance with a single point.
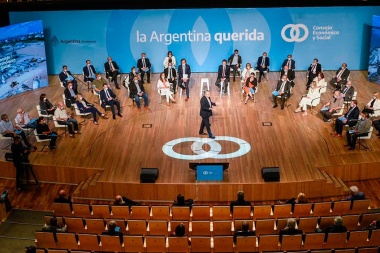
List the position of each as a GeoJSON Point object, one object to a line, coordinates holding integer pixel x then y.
{"type": "Point", "coordinates": [206, 113]}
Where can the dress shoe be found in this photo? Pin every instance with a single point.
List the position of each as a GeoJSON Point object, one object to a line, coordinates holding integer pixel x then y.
{"type": "Point", "coordinates": [282, 108]}
{"type": "Point", "coordinates": [275, 106]}
{"type": "Point", "coordinates": [117, 87]}
{"type": "Point", "coordinates": [146, 107]}
{"type": "Point", "coordinates": [113, 116]}
{"type": "Point", "coordinates": [346, 145]}
{"type": "Point", "coordinates": [186, 99]}
{"type": "Point", "coordinates": [202, 134]}
{"type": "Point", "coordinates": [72, 136]}
{"type": "Point", "coordinates": [337, 136]}
{"type": "Point", "coordinates": [77, 132]}
{"type": "Point", "coordinates": [351, 148]}
{"type": "Point", "coordinates": [119, 114]}
{"type": "Point", "coordinates": [212, 137]}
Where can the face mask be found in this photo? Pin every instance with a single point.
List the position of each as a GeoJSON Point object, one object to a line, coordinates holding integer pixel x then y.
{"type": "Point", "coordinates": [45, 99]}
{"type": "Point", "coordinates": [89, 65]}
{"type": "Point", "coordinates": [80, 98]}
{"type": "Point", "coordinates": [170, 67]}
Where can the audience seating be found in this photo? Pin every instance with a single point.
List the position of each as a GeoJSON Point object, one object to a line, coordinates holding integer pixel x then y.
{"type": "Point", "coordinates": [159, 212]}
{"type": "Point", "coordinates": [45, 240]}
{"type": "Point", "coordinates": [100, 211]}
{"type": "Point", "coordinates": [282, 210]}
{"type": "Point", "coordinates": [313, 241]}
{"type": "Point", "coordinates": [241, 212]}
{"type": "Point", "coordinates": [358, 239]}
{"type": "Point", "coordinates": [223, 243]}
{"type": "Point", "coordinates": [62, 209]}
{"type": "Point", "coordinates": [120, 223]}
{"type": "Point", "coordinates": [74, 224]}
{"type": "Point", "coordinates": [368, 250]}
{"type": "Point", "coordinates": [88, 242]}
{"type": "Point", "coordinates": [238, 224]}
{"type": "Point", "coordinates": [155, 243]}
{"type": "Point", "coordinates": [374, 239]}
{"type": "Point", "coordinates": [351, 221]}
{"type": "Point", "coordinates": [200, 244]}
{"type": "Point", "coordinates": [158, 227]}
{"type": "Point", "coordinates": [222, 227]}
{"type": "Point", "coordinates": [336, 240]}
{"type": "Point", "coordinates": [264, 226]}
{"type": "Point", "coordinates": [178, 244]}
{"type": "Point", "coordinates": [67, 241]}
{"type": "Point", "coordinates": [268, 243]}
{"type": "Point", "coordinates": [122, 212]}
{"type": "Point", "coordinates": [133, 243]}
{"type": "Point", "coordinates": [262, 212]}
{"type": "Point", "coordinates": [110, 243]}
{"type": "Point", "coordinates": [201, 213]}
{"type": "Point", "coordinates": [180, 213]}
{"type": "Point", "coordinates": [137, 227]}
{"type": "Point", "coordinates": [94, 226]}
{"type": "Point", "coordinates": [326, 221]}
{"type": "Point", "coordinates": [174, 224]}
{"type": "Point", "coordinates": [341, 207]}
{"type": "Point", "coordinates": [302, 210]}
{"type": "Point", "coordinates": [140, 212]}
{"type": "Point", "coordinates": [291, 242]}
{"type": "Point", "coordinates": [245, 244]}
{"type": "Point", "coordinates": [360, 206]}
{"type": "Point", "coordinates": [367, 218]}
{"type": "Point", "coordinates": [38, 139]}
{"type": "Point", "coordinates": [200, 228]}
{"type": "Point", "coordinates": [308, 224]}
{"type": "Point", "coordinates": [221, 213]}
{"type": "Point", "coordinates": [280, 224]}
{"type": "Point", "coordinates": [322, 209]}
{"type": "Point", "coordinates": [81, 210]}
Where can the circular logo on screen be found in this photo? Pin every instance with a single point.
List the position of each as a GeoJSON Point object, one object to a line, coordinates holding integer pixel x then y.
{"type": "Point", "coordinates": [296, 33]}
{"type": "Point", "coordinates": [200, 153]}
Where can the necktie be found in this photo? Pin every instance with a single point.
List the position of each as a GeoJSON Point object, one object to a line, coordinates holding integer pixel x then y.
{"type": "Point", "coordinates": [345, 90]}
{"type": "Point", "coordinates": [349, 112]}
{"type": "Point", "coordinates": [224, 71]}
{"type": "Point", "coordinates": [107, 94]}
{"type": "Point", "coordinates": [143, 60]}
{"type": "Point", "coordinates": [90, 72]}
{"type": "Point", "coordinates": [209, 102]}
{"type": "Point", "coordinates": [282, 86]}
{"type": "Point", "coordinates": [372, 102]}
{"type": "Point", "coordinates": [170, 73]}
{"type": "Point", "coordinates": [340, 73]}
{"type": "Point", "coordinates": [289, 64]}
{"type": "Point", "coordinates": [313, 69]}
{"type": "Point", "coordinates": [183, 69]}
{"type": "Point", "coordinates": [111, 66]}
{"type": "Point", "coordinates": [263, 62]}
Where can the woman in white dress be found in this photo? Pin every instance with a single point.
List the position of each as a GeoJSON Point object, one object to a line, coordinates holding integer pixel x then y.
{"type": "Point", "coordinates": [164, 87]}
{"type": "Point", "coordinates": [169, 58]}
{"type": "Point", "coordinates": [247, 72]}
{"type": "Point", "coordinates": [320, 80]}
{"type": "Point", "coordinates": [307, 99]}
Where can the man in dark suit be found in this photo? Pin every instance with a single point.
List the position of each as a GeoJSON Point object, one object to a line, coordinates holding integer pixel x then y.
{"type": "Point", "coordinates": [54, 226]}
{"type": "Point", "coordinates": [361, 129]}
{"type": "Point", "coordinates": [350, 118]}
{"type": "Point", "coordinates": [283, 90]}
{"type": "Point", "coordinates": [112, 69]}
{"type": "Point", "coordinates": [109, 98]}
{"type": "Point", "coordinates": [114, 230]}
{"type": "Point", "coordinates": [348, 91]}
{"type": "Point", "coordinates": [89, 72]}
{"type": "Point", "coordinates": [70, 94]}
{"type": "Point", "coordinates": [136, 91]}
{"type": "Point", "coordinates": [171, 75]}
{"type": "Point", "coordinates": [206, 113]}
{"type": "Point", "coordinates": [290, 75]}
{"type": "Point", "coordinates": [340, 77]}
{"type": "Point", "coordinates": [289, 62]}
{"type": "Point", "coordinates": [234, 61]}
{"type": "Point", "coordinates": [263, 64]}
{"type": "Point", "coordinates": [124, 201]}
{"type": "Point", "coordinates": [244, 231]}
{"type": "Point", "coordinates": [223, 76]}
{"type": "Point", "coordinates": [184, 73]}
{"type": "Point", "coordinates": [143, 64]}
{"type": "Point", "coordinates": [313, 71]}
{"type": "Point", "coordinates": [240, 201]}
{"type": "Point", "coordinates": [65, 76]}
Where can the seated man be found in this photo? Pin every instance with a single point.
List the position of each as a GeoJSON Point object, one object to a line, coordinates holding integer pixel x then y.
{"type": "Point", "coordinates": [290, 75]}
{"type": "Point", "coordinates": [223, 76]}
{"type": "Point", "coordinates": [244, 231]}
{"type": "Point", "coordinates": [239, 202]}
{"type": "Point", "coordinates": [70, 94]}
{"type": "Point", "coordinates": [234, 61]}
{"type": "Point", "coordinates": [290, 229]}
{"type": "Point", "coordinates": [89, 72]}
{"type": "Point", "coordinates": [289, 62]}
{"type": "Point", "coordinates": [112, 70]}
{"type": "Point", "coordinates": [332, 106]}
{"type": "Point", "coordinates": [9, 130]}
{"type": "Point", "coordinates": [171, 75]}
{"type": "Point", "coordinates": [97, 84]}
{"type": "Point", "coordinates": [348, 92]}
{"type": "Point", "coordinates": [361, 129]}
{"type": "Point", "coordinates": [66, 76]}
{"type": "Point", "coordinates": [109, 98]}
{"type": "Point", "coordinates": [62, 197]}
{"type": "Point", "coordinates": [262, 64]}
{"type": "Point", "coordinates": [124, 201]}
{"type": "Point", "coordinates": [340, 77]}
{"type": "Point", "coordinates": [338, 227]}
{"type": "Point", "coordinates": [355, 194]}
{"type": "Point", "coordinates": [85, 107]}
{"type": "Point", "coordinates": [182, 202]}
{"type": "Point", "coordinates": [23, 120]}
{"type": "Point", "coordinates": [114, 230]}
{"type": "Point", "coordinates": [45, 132]}
{"type": "Point", "coordinates": [184, 73]}
{"type": "Point", "coordinates": [313, 71]}
{"type": "Point", "coordinates": [283, 90]}
{"type": "Point", "coordinates": [144, 66]}
{"type": "Point", "coordinates": [65, 119]}
{"type": "Point", "coordinates": [54, 226]}
{"type": "Point", "coordinates": [136, 90]}
{"type": "Point", "coordinates": [350, 118]}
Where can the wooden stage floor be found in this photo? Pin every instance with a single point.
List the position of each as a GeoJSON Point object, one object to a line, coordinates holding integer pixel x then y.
{"type": "Point", "coordinates": [106, 159]}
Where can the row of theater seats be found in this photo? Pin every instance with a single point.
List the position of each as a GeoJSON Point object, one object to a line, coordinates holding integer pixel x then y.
{"type": "Point", "coordinates": [305, 242]}
{"type": "Point", "coordinates": [205, 212]}
{"type": "Point", "coordinates": [353, 222]}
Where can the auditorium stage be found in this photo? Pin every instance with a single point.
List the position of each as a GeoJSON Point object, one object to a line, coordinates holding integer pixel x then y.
{"type": "Point", "coordinates": [107, 159]}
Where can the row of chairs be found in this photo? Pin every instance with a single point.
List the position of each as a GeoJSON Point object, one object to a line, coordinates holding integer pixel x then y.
{"type": "Point", "coordinates": [206, 212]}
{"type": "Point", "coordinates": [219, 227]}
{"type": "Point", "coordinates": [307, 241]}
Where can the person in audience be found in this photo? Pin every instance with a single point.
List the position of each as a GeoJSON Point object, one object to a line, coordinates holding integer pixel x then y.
{"type": "Point", "coordinates": [373, 106]}
{"type": "Point", "coordinates": [373, 225]}
{"type": "Point", "coordinates": [137, 91]}
{"type": "Point", "coordinates": [184, 73]}
{"type": "Point", "coordinates": [313, 71]}
{"type": "Point", "coordinates": [62, 198]}
{"type": "Point", "coordinates": [45, 132]}
{"type": "Point", "coordinates": [66, 76]}
{"type": "Point", "coordinates": [113, 230]}
{"type": "Point", "coordinates": [301, 199]}
{"type": "Point", "coordinates": [181, 201]}
{"type": "Point", "coordinates": [320, 80]}
{"type": "Point", "coordinates": [350, 118]}
{"type": "Point", "coordinates": [223, 76]}
{"type": "Point", "coordinates": [332, 106]}
{"type": "Point", "coordinates": [109, 98]}
{"type": "Point", "coordinates": [341, 77]}
{"type": "Point", "coordinates": [239, 202]}
{"type": "Point", "coordinates": [31, 249]}
{"type": "Point", "coordinates": [171, 76]}
{"type": "Point", "coordinates": [180, 230]}
{"type": "Point", "coordinates": [112, 70]}
{"type": "Point", "coordinates": [263, 64]}
{"type": "Point", "coordinates": [169, 59]}
{"type": "Point", "coordinates": [20, 158]}
{"type": "Point", "coordinates": [85, 107]}
{"type": "Point", "coordinates": [355, 194]}
{"type": "Point", "coordinates": [290, 76]}
{"type": "Point", "coordinates": [54, 226]}
{"type": "Point", "coordinates": [88, 72]}
{"type": "Point", "coordinates": [63, 118]}
{"type": "Point", "coordinates": [289, 62]}
{"type": "Point", "coordinates": [163, 86]}
{"type": "Point", "coordinates": [46, 107]}
{"type": "Point", "coordinates": [124, 201]}
{"type": "Point", "coordinates": [338, 227]}
{"type": "Point", "coordinates": [9, 130]}
{"type": "Point", "coordinates": [247, 72]}
{"type": "Point", "coordinates": [23, 119]}
{"type": "Point", "coordinates": [234, 61]}
{"type": "Point", "coordinates": [70, 95]}
{"type": "Point", "coordinates": [132, 75]}
{"type": "Point", "coordinates": [250, 87]}
{"type": "Point", "coordinates": [348, 91]}
{"type": "Point", "coordinates": [244, 231]}
{"type": "Point", "coordinates": [144, 66]}
{"type": "Point", "coordinates": [361, 129]}
{"type": "Point", "coordinates": [308, 99]}
{"type": "Point", "coordinates": [290, 229]}
{"type": "Point", "coordinates": [97, 84]}
{"type": "Point", "coordinates": [282, 90]}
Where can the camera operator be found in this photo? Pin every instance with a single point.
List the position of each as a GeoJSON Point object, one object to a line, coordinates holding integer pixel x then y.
{"type": "Point", "coordinates": [20, 158]}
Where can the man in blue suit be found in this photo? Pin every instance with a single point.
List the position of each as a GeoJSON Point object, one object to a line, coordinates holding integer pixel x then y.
{"type": "Point", "coordinates": [206, 113]}
{"type": "Point", "coordinates": [89, 72]}
{"type": "Point", "coordinates": [144, 66]}
{"type": "Point", "coordinates": [263, 64]}
{"type": "Point", "coordinates": [290, 62]}
{"type": "Point", "coordinates": [66, 76]}
{"type": "Point", "coordinates": [223, 76]}
{"type": "Point", "coordinates": [184, 73]}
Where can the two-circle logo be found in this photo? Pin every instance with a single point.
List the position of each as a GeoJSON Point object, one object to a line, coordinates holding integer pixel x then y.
{"type": "Point", "coordinates": [294, 34]}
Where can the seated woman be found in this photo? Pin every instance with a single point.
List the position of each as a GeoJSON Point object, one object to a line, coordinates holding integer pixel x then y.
{"type": "Point", "coordinates": [164, 86]}
{"type": "Point", "coordinates": [290, 229]}
{"type": "Point", "coordinates": [250, 87]}
{"type": "Point", "coordinates": [45, 132]}
{"type": "Point", "coordinates": [373, 106]}
{"type": "Point", "coordinates": [132, 74]}
{"type": "Point", "coordinates": [169, 58]}
{"type": "Point", "coordinates": [247, 72]}
{"type": "Point", "coordinates": [85, 107]}
{"type": "Point", "coordinates": [46, 107]}
{"type": "Point", "coordinates": [308, 99]}
{"type": "Point", "coordinates": [320, 80]}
